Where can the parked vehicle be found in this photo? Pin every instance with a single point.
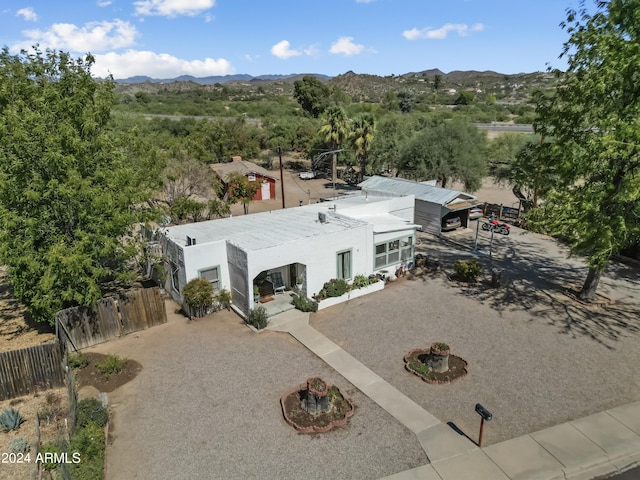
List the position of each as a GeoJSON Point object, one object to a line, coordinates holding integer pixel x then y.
{"type": "Point", "coordinates": [451, 224]}
{"type": "Point", "coordinates": [307, 175]}
{"type": "Point", "coordinates": [475, 213]}
{"type": "Point", "coordinates": [496, 226]}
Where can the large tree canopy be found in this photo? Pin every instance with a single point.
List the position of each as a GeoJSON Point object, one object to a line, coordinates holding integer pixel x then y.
{"type": "Point", "coordinates": [69, 188]}
{"type": "Point", "coordinates": [593, 120]}
{"type": "Point", "coordinates": [447, 151]}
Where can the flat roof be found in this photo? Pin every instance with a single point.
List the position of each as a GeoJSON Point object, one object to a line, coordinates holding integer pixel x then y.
{"type": "Point", "coordinates": [267, 229]}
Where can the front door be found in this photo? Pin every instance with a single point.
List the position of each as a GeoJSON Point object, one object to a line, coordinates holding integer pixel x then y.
{"type": "Point", "coordinates": [266, 191]}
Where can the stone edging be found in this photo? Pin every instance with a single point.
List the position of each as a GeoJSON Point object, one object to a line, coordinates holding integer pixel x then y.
{"type": "Point", "coordinates": [314, 429]}
{"type": "Point", "coordinates": [433, 382]}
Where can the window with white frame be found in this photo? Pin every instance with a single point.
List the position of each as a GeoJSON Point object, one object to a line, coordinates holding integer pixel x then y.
{"type": "Point", "coordinates": [394, 251]}
{"type": "Point", "coordinates": [213, 276]}
{"type": "Point", "coordinates": [344, 265]}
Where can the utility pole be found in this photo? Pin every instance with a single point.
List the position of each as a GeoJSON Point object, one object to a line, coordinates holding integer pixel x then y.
{"type": "Point", "coordinates": [281, 175]}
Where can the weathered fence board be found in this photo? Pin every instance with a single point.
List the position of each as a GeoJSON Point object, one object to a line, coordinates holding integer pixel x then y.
{"type": "Point", "coordinates": [131, 311]}
{"type": "Point", "coordinates": [141, 309]}
{"type": "Point", "coordinates": [35, 368]}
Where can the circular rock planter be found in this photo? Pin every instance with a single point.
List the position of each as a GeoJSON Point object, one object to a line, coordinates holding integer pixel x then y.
{"type": "Point", "coordinates": [316, 407]}
{"type": "Point", "coordinates": [435, 365]}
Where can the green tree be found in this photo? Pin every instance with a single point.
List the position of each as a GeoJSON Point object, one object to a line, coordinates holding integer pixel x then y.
{"type": "Point", "coordinates": [70, 189]}
{"type": "Point", "coordinates": [312, 95]}
{"type": "Point", "coordinates": [363, 130]}
{"type": "Point", "coordinates": [240, 189]}
{"type": "Point", "coordinates": [594, 203]}
{"type": "Point", "coordinates": [447, 151]}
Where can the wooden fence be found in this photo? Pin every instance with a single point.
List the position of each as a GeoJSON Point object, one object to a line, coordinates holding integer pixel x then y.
{"type": "Point", "coordinates": [501, 212]}
{"type": "Point", "coordinates": [25, 371]}
{"type": "Point", "coordinates": [110, 317]}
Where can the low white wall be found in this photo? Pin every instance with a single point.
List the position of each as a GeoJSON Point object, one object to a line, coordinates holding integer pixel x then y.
{"type": "Point", "coordinates": [350, 295]}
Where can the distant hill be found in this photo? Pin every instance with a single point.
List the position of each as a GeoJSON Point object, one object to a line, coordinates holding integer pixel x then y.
{"type": "Point", "coordinates": [219, 79]}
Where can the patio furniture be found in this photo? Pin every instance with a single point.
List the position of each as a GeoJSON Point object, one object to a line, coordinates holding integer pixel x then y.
{"type": "Point", "coordinates": [276, 280]}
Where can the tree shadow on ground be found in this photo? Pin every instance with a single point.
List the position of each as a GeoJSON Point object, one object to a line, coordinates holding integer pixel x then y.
{"type": "Point", "coordinates": [542, 285]}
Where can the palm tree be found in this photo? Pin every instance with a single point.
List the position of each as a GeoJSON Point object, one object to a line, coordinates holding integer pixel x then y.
{"type": "Point", "coordinates": [363, 130]}
{"type": "Point", "coordinates": [335, 128]}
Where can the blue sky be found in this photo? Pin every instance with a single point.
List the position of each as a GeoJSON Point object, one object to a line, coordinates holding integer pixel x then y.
{"type": "Point", "coordinates": [168, 38]}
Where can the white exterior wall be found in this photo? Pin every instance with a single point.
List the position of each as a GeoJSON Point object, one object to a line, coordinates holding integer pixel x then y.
{"type": "Point", "coordinates": [319, 254]}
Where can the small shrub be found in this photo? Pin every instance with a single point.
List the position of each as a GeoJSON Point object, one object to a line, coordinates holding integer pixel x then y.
{"type": "Point", "coordinates": [223, 297]}
{"type": "Point", "coordinates": [418, 366]}
{"type": "Point", "coordinates": [442, 347]}
{"type": "Point", "coordinates": [468, 270]}
{"type": "Point", "coordinates": [89, 442]}
{"type": "Point", "coordinates": [304, 304]}
{"type": "Point", "coordinates": [19, 445]}
{"type": "Point", "coordinates": [258, 318]}
{"type": "Point", "coordinates": [333, 288]}
{"type": "Point", "coordinates": [360, 281]}
{"type": "Point", "coordinates": [111, 365]}
{"type": "Point", "coordinates": [198, 294]}
{"type": "Point", "coordinates": [49, 448]}
{"type": "Point", "coordinates": [78, 360]}
{"type": "Point", "coordinates": [50, 413]}
{"type": "Point", "coordinates": [10, 419]}
{"type": "Point", "coordinates": [90, 410]}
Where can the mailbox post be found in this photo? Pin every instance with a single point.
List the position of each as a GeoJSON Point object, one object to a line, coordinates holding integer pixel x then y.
{"type": "Point", "coordinates": [484, 415]}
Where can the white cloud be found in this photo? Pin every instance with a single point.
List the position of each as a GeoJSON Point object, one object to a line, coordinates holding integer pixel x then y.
{"type": "Point", "coordinates": [94, 36]}
{"type": "Point", "coordinates": [441, 33]}
{"type": "Point", "coordinates": [345, 46]}
{"type": "Point", "coordinates": [104, 3]}
{"type": "Point", "coordinates": [28, 14]}
{"type": "Point", "coordinates": [172, 8]}
{"type": "Point", "coordinates": [283, 50]}
{"type": "Point", "coordinates": [157, 65]}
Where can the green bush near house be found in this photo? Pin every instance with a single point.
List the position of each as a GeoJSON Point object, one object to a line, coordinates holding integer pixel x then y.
{"type": "Point", "coordinates": [360, 281]}
{"type": "Point", "coordinates": [258, 318]}
{"type": "Point", "coordinates": [304, 304]}
{"type": "Point", "coordinates": [333, 288]}
{"type": "Point", "coordinates": [89, 442]}
{"type": "Point", "coordinates": [468, 270]}
{"type": "Point", "coordinates": [198, 294]}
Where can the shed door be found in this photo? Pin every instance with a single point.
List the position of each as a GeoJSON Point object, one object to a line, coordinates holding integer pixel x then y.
{"type": "Point", "coordinates": [429, 216]}
{"type": "Point", "coordinates": [266, 191]}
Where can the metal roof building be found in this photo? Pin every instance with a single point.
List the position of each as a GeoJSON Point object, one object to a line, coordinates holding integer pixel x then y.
{"type": "Point", "coordinates": [433, 204]}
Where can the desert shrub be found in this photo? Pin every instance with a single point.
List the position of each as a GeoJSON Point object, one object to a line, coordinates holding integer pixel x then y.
{"type": "Point", "coordinates": [223, 297]}
{"type": "Point", "coordinates": [10, 419]}
{"type": "Point", "coordinates": [334, 288]}
{"type": "Point", "coordinates": [417, 366]}
{"type": "Point", "coordinates": [304, 304]}
{"type": "Point", "coordinates": [91, 410]}
{"type": "Point", "coordinates": [19, 445]}
{"type": "Point", "coordinates": [88, 441]}
{"type": "Point", "coordinates": [468, 270]}
{"type": "Point", "coordinates": [198, 294]}
{"type": "Point", "coordinates": [257, 318]}
{"type": "Point", "coordinates": [49, 448]}
{"type": "Point", "coordinates": [111, 365]}
{"type": "Point", "coordinates": [78, 360]}
{"type": "Point", "coordinates": [360, 281]}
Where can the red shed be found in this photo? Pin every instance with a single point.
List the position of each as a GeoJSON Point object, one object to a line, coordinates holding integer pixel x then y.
{"type": "Point", "coordinates": [253, 172]}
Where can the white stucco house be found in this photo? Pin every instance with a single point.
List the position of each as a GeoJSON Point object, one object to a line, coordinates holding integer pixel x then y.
{"type": "Point", "coordinates": [359, 234]}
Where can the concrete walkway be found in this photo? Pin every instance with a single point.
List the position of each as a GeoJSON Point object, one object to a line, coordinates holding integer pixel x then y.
{"type": "Point", "coordinates": [583, 449]}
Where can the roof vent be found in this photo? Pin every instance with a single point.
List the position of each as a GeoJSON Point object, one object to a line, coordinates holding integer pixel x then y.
{"type": "Point", "coordinates": [322, 217]}
{"type": "Point", "coordinates": [190, 241]}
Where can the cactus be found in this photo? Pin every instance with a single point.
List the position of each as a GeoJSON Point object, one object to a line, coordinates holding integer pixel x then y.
{"type": "Point", "coordinates": [10, 419]}
{"type": "Point", "coordinates": [19, 445]}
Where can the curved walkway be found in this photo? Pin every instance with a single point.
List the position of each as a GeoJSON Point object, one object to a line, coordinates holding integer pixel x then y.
{"type": "Point", "coordinates": [582, 449]}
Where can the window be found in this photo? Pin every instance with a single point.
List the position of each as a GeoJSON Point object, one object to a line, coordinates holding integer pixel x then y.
{"type": "Point", "coordinates": [212, 274]}
{"type": "Point", "coordinates": [344, 265]}
{"type": "Point", "coordinates": [394, 251]}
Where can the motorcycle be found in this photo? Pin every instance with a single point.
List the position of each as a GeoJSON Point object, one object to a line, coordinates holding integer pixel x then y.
{"type": "Point", "coordinates": [496, 226]}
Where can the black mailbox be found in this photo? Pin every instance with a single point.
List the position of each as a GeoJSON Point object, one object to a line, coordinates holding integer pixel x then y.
{"type": "Point", "coordinates": [483, 412]}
